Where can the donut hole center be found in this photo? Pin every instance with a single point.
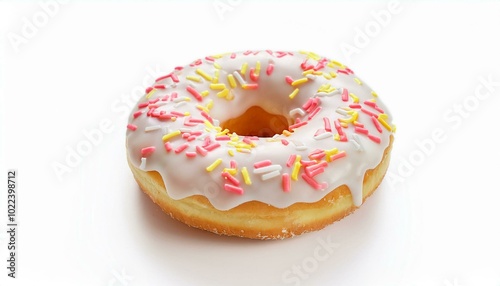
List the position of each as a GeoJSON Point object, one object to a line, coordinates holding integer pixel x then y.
{"type": "Point", "coordinates": [255, 121]}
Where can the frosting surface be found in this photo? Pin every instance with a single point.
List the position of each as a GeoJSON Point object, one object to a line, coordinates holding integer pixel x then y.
{"type": "Point", "coordinates": [338, 129]}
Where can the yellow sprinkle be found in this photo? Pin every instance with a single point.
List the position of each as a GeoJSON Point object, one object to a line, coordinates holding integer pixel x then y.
{"type": "Point", "coordinates": [173, 118]}
{"type": "Point", "coordinates": [299, 81]}
{"type": "Point", "coordinates": [217, 65]}
{"type": "Point", "coordinates": [234, 137]}
{"type": "Point", "coordinates": [394, 128]}
{"type": "Point", "coordinates": [295, 171]}
{"type": "Point", "coordinates": [331, 152]}
{"type": "Point", "coordinates": [194, 78]}
{"type": "Point", "coordinates": [385, 124]}
{"type": "Point", "coordinates": [343, 124]}
{"type": "Point", "coordinates": [298, 158]}
{"type": "Point", "coordinates": [229, 95]}
{"type": "Point", "coordinates": [287, 133]}
{"type": "Point", "coordinates": [243, 150]}
{"type": "Point", "coordinates": [374, 94]}
{"type": "Point", "coordinates": [230, 152]}
{"type": "Point", "coordinates": [204, 93]}
{"type": "Point", "coordinates": [230, 171]}
{"type": "Point", "coordinates": [150, 93]}
{"type": "Point", "coordinates": [216, 77]}
{"type": "Point", "coordinates": [187, 113]}
{"type": "Point", "coordinates": [294, 93]}
{"type": "Point", "coordinates": [324, 87]}
{"type": "Point", "coordinates": [317, 73]}
{"type": "Point", "coordinates": [243, 69]}
{"type": "Point", "coordinates": [383, 116]}
{"type": "Point", "coordinates": [223, 93]}
{"type": "Point", "coordinates": [336, 137]}
{"type": "Point", "coordinates": [231, 80]}
{"type": "Point", "coordinates": [358, 81]}
{"type": "Point", "coordinates": [204, 74]}
{"type": "Point", "coordinates": [217, 86]}
{"type": "Point", "coordinates": [330, 89]}
{"type": "Point", "coordinates": [354, 97]}
{"type": "Point", "coordinates": [309, 71]}
{"type": "Point", "coordinates": [333, 74]}
{"type": "Point", "coordinates": [210, 104]}
{"type": "Point", "coordinates": [170, 135]}
{"type": "Point", "coordinates": [214, 165]}
{"type": "Point", "coordinates": [218, 129]}
{"type": "Point", "coordinates": [243, 145]}
{"type": "Point", "coordinates": [218, 56]}
{"type": "Point", "coordinates": [208, 124]}
{"type": "Point", "coordinates": [257, 68]}
{"type": "Point", "coordinates": [327, 76]}
{"type": "Point", "coordinates": [224, 132]}
{"type": "Point", "coordinates": [337, 63]}
{"type": "Point", "coordinates": [203, 108]}
{"type": "Point", "coordinates": [246, 177]}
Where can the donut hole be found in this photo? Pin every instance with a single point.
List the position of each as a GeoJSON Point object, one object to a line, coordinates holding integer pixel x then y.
{"type": "Point", "coordinates": [255, 121]}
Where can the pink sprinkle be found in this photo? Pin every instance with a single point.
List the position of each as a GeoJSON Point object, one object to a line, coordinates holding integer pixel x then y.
{"type": "Point", "coordinates": [233, 189]}
{"type": "Point", "coordinates": [358, 124]}
{"type": "Point", "coordinates": [317, 154]}
{"type": "Point", "coordinates": [202, 151]}
{"type": "Point", "coordinates": [308, 103]}
{"type": "Point", "coordinates": [368, 112]}
{"type": "Point", "coordinates": [311, 168]}
{"type": "Point", "coordinates": [174, 78]}
{"type": "Point", "coordinates": [230, 178]}
{"type": "Point", "coordinates": [247, 140]}
{"type": "Point", "coordinates": [281, 54]}
{"type": "Point", "coordinates": [342, 71]}
{"type": "Point", "coordinates": [163, 77]}
{"type": "Point", "coordinates": [207, 141]}
{"type": "Point", "coordinates": [315, 111]}
{"type": "Point", "coordinates": [196, 120]}
{"type": "Point", "coordinates": [191, 138]}
{"type": "Point", "coordinates": [253, 137]}
{"type": "Point", "coordinates": [165, 98]}
{"type": "Point", "coordinates": [297, 125]}
{"type": "Point", "coordinates": [338, 156]}
{"type": "Point", "coordinates": [377, 124]}
{"type": "Point", "coordinates": [233, 55]}
{"type": "Point", "coordinates": [145, 152]}
{"type": "Point", "coordinates": [223, 138]}
{"type": "Point", "coordinates": [291, 160]}
{"type": "Point", "coordinates": [270, 69]}
{"type": "Point", "coordinates": [181, 148]}
{"type": "Point", "coordinates": [349, 70]}
{"type": "Point", "coordinates": [185, 135]}
{"type": "Point", "coordinates": [168, 146]}
{"type": "Point", "coordinates": [345, 94]}
{"type": "Point", "coordinates": [190, 154]}
{"type": "Point", "coordinates": [247, 53]}
{"type": "Point", "coordinates": [194, 92]}
{"type": "Point", "coordinates": [316, 172]}
{"type": "Point", "coordinates": [149, 89]}
{"type": "Point", "coordinates": [288, 79]}
{"type": "Point", "coordinates": [142, 105]}
{"type": "Point", "coordinates": [285, 182]}
{"type": "Point", "coordinates": [132, 127]}
{"type": "Point", "coordinates": [269, 52]}
{"type": "Point", "coordinates": [312, 182]}
{"type": "Point", "coordinates": [374, 105]}
{"type": "Point", "coordinates": [233, 164]}
{"type": "Point", "coordinates": [137, 113]}
{"type": "Point", "coordinates": [173, 96]}
{"type": "Point", "coordinates": [284, 142]}
{"type": "Point", "coordinates": [212, 146]}
{"type": "Point", "coordinates": [251, 86]}
{"type": "Point", "coordinates": [374, 138]}
{"type": "Point", "coordinates": [177, 113]}
{"type": "Point", "coordinates": [160, 86]}
{"type": "Point", "coordinates": [165, 116]}
{"type": "Point", "coordinates": [210, 59]}
{"type": "Point", "coordinates": [355, 106]}
{"type": "Point", "coordinates": [261, 164]}
{"type": "Point", "coordinates": [319, 131]}
{"type": "Point", "coordinates": [360, 130]}
{"type": "Point", "coordinates": [253, 76]}
{"type": "Point", "coordinates": [338, 127]}
{"type": "Point", "coordinates": [178, 68]}
{"type": "Point", "coordinates": [307, 163]}
{"type": "Point", "coordinates": [208, 117]}
{"type": "Point", "coordinates": [188, 122]}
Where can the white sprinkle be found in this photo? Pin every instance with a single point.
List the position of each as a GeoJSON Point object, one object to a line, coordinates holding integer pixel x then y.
{"type": "Point", "coordinates": [165, 130]}
{"type": "Point", "coordinates": [322, 93]}
{"type": "Point", "coordinates": [238, 77]}
{"type": "Point", "coordinates": [160, 103]}
{"type": "Point", "coordinates": [270, 175]}
{"type": "Point", "coordinates": [216, 122]}
{"type": "Point", "coordinates": [152, 128]}
{"type": "Point", "coordinates": [267, 169]}
{"type": "Point", "coordinates": [296, 111]}
{"type": "Point", "coordinates": [179, 99]}
{"type": "Point", "coordinates": [301, 148]}
{"type": "Point", "coordinates": [185, 130]}
{"type": "Point", "coordinates": [275, 136]}
{"type": "Point", "coordinates": [179, 104]}
{"type": "Point", "coordinates": [243, 150]}
{"type": "Point", "coordinates": [203, 136]}
{"type": "Point", "coordinates": [341, 111]}
{"type": "Point", "coordinates": [356, 142]}
{"type": "Point", "coordinates": [323, 135]}
{"type": "Point", "coordinates": [143, 163]}
{"type": "Point", "coordinates": [311, 76]}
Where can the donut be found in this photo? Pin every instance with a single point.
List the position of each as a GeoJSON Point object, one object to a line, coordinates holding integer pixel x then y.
{"type": "Point", "coordinates": [259, 144]}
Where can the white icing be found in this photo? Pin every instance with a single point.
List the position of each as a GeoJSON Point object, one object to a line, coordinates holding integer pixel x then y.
{"type": "Point", "coordinates": [186, 176]}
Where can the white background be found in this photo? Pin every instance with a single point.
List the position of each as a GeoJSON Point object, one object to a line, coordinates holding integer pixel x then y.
{"type": "Point", "coordinates": [433, 221]}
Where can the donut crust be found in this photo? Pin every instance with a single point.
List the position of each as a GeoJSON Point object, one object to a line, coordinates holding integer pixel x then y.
{"type": "Point", "coordinates": [257, 220]}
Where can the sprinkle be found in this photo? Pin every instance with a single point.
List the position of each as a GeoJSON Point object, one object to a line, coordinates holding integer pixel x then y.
{"type": "Point", "coordinates": [181, 148]}
{"type": "Point", "coordinates": [356, 143]}
{"type": "Point", "coordinates": [323, 135]}
{"type": "Point", "coordinates": [168, 146]}
{"type": "Point", "coordinates": [230, 79]}
{"type": "Point", "coordinates": [230, 152]}
{"type": "Point", "coordinates": [377, 124]}
{"type": "Point", "coordinates": [171, 135]}
{"type": "Point", "coordinates": [294, 93]}
{"type": "Point", "coordinates": [345, 94]}
{"type": "Point", "coordinates": [313, 183]}
{"type": "Point", "coordinates": [284, 142]}
{"type": "Point", "coordinates": [143, 164]}
{"type": "Point", "coordinates": [137, 113]}
{"type": "Point", "coordinates": [257, 68]}
{"type": "Point", "coordinates": [152, 128]}
{"type": "Point", "coordinates": [233, 189]}
{"type": "Point", "coordinates": [212, 146]}
{"type": "Point", "coordinates": [214, 165]}
{"type": "Point", "coordinates": [132, 127]}
{"type": "Point", "coordinates": [368, 112]}
{"type": "Point", "coordinates": [360, 130]}
{"type": "Point", "coordinates": [298, 111]}
{"type": "Point", "coordinates": [374, 94]}
{"type": "Point", "coordinates": [314, 112]}
{"type": "Point", "coordinates": [374, 138]}
{"type": "Point", "coordinates": [238, 77]}
{"type": "Point", "coordinates": [358, 81]}
{"type": "Point", "coordinates": [383, 122]}
{"type": "Point", "coordinates": [222, 138]}
{"type": "Point", "coordinates": [246, 176]}
{"type": "Point", "coordinates": [143, 104]}
{"type": "Point", "coordinates": [299, 81]}
{"type": "Point", "coordinates": [190, 154]}
{"type": "Point", "coordinates": [223, 93]}
{"type": "Point", "coordinates": [145, 152]}
{"type": "Point", "coordinates": [267, 169]}
{"type": "Point", "coordinates": [207, 117]}
{"type": "Point", "coordinates": [243, 69]}
{"type": "Point", "coordinates": [193, 78]}
{"type": "Point", "coordinates": [297, 125]}
{"type": "Point", "coordinates": [301, 147]}
{"type": "Point", "coordinates": [230, 178]}
{"type": "Point", "coordinates": [338, 156]}
{"type": "Point", "coordinates": [374, 105]}
{"type": "Point", "coordinates": [204, 74]}
{"type": "Point", "coordinates": [270, 175]}
{"type": "Point", "coordinates": [270, 68]}
{"type": "Point", "coordinates": [261, 164]}
{"type": "Point", "coordinates": [250, 86]}
{"type": "Point", "coordinates": [233, 164]}
{"type": "Point", "coordinates": [288, 79]}
{"type": "Point", "coordinates": [150, 93]}
{"type": "Point", "coordinates": [291, 160]}
{"type": "Point", "coordinates": [287, 133]}
{"type": "Point", "coordinates": [194, 92]}
{"type": "Point", "coordinates": [316, 169]}
{"type": "Point", "coordinates": [295, 171]}
{"type": "Point", "coordinates": [202, 151]}
{"type": "Point", "coordinates": [217, 86]}
{"type": "Point", "coordinates": [253, 75]}
{"type": "Point", "coordinates": [285, 182]}
{"type": "Point", "coordinates": [355, 99]}
{"type": "Point", "coordinates": [326, 122]}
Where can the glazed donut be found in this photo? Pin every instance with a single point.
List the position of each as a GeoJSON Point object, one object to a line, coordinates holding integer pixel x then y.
{"type": "Point", "coordinates": [259, 144]}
